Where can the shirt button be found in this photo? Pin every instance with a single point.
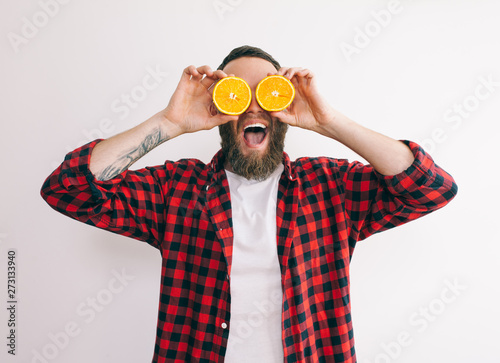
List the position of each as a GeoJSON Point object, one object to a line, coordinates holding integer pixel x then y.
{"type": "Point", "coordinates": [223, 325]}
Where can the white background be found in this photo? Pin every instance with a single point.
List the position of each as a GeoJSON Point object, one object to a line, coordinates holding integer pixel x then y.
{"type": "Point", "coordinates": [59, 84]}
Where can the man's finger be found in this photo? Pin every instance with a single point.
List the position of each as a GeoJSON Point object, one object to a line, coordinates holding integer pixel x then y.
{"type": "Point", "coordinates": [290, 72]}
{"type": "Point", "coordinates": [198, 74]}
{"type": "Point", "coordinates": [306, 73]}
{"type": "Point", "coordinates": [221, 119]}
{"type": "Point", "coordinates": [219, 74]}
{"type": "Point", "coordinates": [188, 72]}
{"type": "Point", "coordinates": [209, 82]}
{"type": "Point", "coordinates": [205, 70]}
{"type": "Point", "coordinates": [284, 116]}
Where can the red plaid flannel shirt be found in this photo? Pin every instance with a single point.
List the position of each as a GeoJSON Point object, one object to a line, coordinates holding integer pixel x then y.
{"type": "Point", "coordinates": [183, 209]}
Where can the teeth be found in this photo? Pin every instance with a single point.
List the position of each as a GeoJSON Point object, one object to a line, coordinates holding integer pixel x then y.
{"type": "Point", "coordinates": [256, 125]}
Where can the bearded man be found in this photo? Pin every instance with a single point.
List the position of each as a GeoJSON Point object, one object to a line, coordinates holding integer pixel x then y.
{"type": "Point", "coordinates": [255, 247]}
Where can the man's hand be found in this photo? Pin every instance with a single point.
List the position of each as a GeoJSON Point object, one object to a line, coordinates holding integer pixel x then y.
{"type": "Point", "coordinates": [191, 108]}
{"type": "Point", "coordinates": [308, 110]}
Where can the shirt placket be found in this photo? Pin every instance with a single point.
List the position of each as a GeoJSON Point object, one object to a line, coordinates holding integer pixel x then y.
{"type": "Point", "coordinates": [286, 214]}
{"type": "Point", "coordinates": [218, 206]}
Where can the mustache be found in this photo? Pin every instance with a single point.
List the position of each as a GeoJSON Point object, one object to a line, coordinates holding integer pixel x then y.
{"type": "Point", "coordinates": [255, 116]}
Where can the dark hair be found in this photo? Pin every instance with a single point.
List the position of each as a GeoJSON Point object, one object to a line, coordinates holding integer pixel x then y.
{"type": "Point", "coordinates": [249, 51]}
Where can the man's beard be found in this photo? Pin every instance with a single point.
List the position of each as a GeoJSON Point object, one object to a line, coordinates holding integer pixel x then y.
{"type": "Point", "coordinates": [254, 166]}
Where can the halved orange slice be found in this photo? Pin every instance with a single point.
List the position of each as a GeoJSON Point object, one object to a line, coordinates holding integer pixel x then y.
{"type": "Point", "coordinates": [232, 95]}
{"type": "Point", "coordinates": [275, 93]}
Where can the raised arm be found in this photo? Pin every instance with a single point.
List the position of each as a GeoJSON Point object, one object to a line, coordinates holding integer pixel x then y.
{"type": "Point", "coordinates": [310, 111]}
{"type": "Point", "coordinates": [401, 183]}
{"type": "Point", "coordinates": [93, 184]}
{"type": "Point", "coordinates": [190, 109]}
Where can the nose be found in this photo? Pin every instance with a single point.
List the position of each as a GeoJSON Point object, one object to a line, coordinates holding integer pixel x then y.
{"type": "Point", "coordinates": [254, 105]}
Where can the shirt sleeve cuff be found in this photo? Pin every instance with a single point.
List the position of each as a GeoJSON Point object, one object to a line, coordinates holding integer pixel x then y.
{"type": "Point", "coordinates": [420, 173]}
{"type": "Point", "coordinates": [75, 173]}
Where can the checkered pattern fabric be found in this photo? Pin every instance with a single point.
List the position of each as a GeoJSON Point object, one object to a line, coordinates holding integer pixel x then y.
{"type": "Point", "coordinates": [325, 206]}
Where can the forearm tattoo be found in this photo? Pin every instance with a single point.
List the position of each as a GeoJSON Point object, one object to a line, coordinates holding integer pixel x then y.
{"type": "Point", "coordinates": [152, 140]}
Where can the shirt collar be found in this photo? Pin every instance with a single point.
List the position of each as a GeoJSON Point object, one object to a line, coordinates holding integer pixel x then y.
{"type": "Point", "coordinates": [289, 171]}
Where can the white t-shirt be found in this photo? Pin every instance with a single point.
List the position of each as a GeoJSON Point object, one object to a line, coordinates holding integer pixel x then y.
{"type": "Point", "coordinates": [255, 281]}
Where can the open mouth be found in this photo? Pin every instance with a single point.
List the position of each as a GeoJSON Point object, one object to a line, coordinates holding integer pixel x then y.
{"type": "Point", "coordinates": [255, 134]}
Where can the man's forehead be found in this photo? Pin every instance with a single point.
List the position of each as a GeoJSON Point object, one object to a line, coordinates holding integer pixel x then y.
{"type": "Point", "coordinates": [250, 67]}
